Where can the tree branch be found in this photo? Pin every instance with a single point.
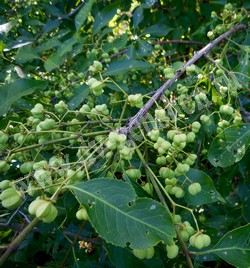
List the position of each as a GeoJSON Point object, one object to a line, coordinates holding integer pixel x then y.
{"type": "Point", "coordinates": [135, 120]}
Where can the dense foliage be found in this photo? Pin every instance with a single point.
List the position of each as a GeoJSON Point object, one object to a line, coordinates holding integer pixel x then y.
{"type": "Point", "coordinates": [86, 180]}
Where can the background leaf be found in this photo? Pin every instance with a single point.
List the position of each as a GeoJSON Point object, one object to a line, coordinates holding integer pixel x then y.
{"type": "Point", "coordinates": [122, 66]}
{"type": "Point", "coordinates": [209, 194]}
{"type": "Point", "coordinates": [137, 16]}
{"type": "Point", "coordinates": [52, 62]}
{"type": "Point", "coordinates": [120, 218]}
{"type": "Point", "coordinates": [83, 14]}
{"type": "Point", "coordinates": [25, 54]}
{"type": "Point", "coordinates": [157, 30]}
{"type": "Point", "coordinates": [104, 16]}
{"type": "Point", "coordinates": [234, 247]}
{"type": "Point", "coordinates": [80, 95]}
{"type": "Point", "coordinates": [229, 146]}
{"type": "Point", "coordinates": [10, 93]}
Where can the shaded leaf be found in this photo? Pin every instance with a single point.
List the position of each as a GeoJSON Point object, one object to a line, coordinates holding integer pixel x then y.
{"type": "Point", "coordinates": [10, 93]}
{"type": "Point", "coordinates": [83, 14]}
{"type": "Point", "coordinates": [51, 25]}
{"type": "Point", "coordinates": [124, 258]}
{"type": "Point", "coordinates": [137, 16]}
{"type": "Point", "coordinates": [157, 30]}
{"type": "Point", "coordinates": [120, 43]}
{"type": "Point", "coordinates": [25, 54]}
{"type": "Point", "coordinates": [144, 48]}
{"type": "Point", "coordinates": [80, 95]}
{"type": "Point", "coordinates": [118, 86]}
{"type": "Point", "coordinates": [120, 218]}
{"type": "Point", "coordinates": [104, 16]}
{"type": "Point", "coordinates": [234, 247]}
{"type": "Point", "coordinates": [229, 146]}
{"type": "Point", "coordinates": [52, 62]}
{"type": "Point", "coordinates": [209, 194]}
{"type": "Point", "coordinates": [123, 66]}
{"type": "Point", "coordinates": [131, 53]}
{"type": "Point", "coordinates": [66, 46]}
{"type": "Point", "coordinates": [244, 193]}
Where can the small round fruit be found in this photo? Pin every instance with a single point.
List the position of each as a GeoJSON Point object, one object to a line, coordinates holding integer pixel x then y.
{"type": "Point", "coordinates": [11, 198]}
{"type": "Point", "coordinates": [148, 187]}
{"type": "Point", "coordinates": [172, 251]}
{"type": "Point", "coordinates": [140, 253]}
{"type": "Point", "coordinates": [51, 216]}
{"type": "Point", "coordinates": [34, 205]}
{"type": "Point", "coordinates": [82, 214]}
{"type": "Point", "coordinates": [134, 174]}
{"type": "Point", "coordinates": [5, 184]}
{"type": "Point", "coordinates": [194, 188]}
{"type": "Point", "coordinates": [150, 253]}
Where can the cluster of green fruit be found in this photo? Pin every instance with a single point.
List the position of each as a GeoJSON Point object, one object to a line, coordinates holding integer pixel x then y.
{"type": "Point", "coordinates": [96, 86]}
{"type": "Point", "coordinates": [147, 253]}
{"type": "Point", "coordinates": [135, 100]}
{"type": "Point", "coordinates": [4, 137]}
{"type": "Point", "coordinates": [43, 209]}
{"type": "Point", "coordinates": [96, 67]}
{"type": "Point", "coordinates": [229, 17]}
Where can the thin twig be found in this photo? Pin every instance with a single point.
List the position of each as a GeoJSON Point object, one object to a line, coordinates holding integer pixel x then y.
{"type": "Point", "coordinates": [135, 120]}
{"type": "Point", "coordinates": [184, 249]}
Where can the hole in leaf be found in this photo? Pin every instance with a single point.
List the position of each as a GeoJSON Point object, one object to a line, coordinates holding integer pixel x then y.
{"type": "Point", "coordinates": [131, 203]}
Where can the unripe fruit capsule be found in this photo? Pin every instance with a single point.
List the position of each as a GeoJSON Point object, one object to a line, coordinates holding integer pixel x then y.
{"type": "Point", "coordinates": [172, 251]}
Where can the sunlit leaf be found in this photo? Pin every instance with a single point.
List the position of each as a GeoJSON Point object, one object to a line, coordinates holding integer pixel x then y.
{"type": "Point", "coordinates": [121, 218]}
{"type": "Point", "coordinates": [229, 146]}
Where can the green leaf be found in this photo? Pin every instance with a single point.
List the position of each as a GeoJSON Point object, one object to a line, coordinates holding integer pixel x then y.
{"type": "Point", "coordinates": [66, 46]}
{"type": "Point", "coordinates": [144, 48]}
{"type": "Point", "coordinates": [244, 191]}
{"type": "Point", "coordinates": [123, 257]}
{"type": "Point", "coordinates": [52, 62]}
{"type": "Point", "coordinates": [234, 247]}
{"type": "Point", "coordinates": [131, 53]}
{"type": "Point", "coordinates": [242, 71]}
{"type": "Point", "coordinates": [25, 54]}
{"type": "Point", "coordinates": [118, 86]}
{"type": "Point", "coordinates": [209, 194]}
{"type": "Point", "coordinates": [104, 16]}
{"type": "Point", "coordinates": [229, 146]}
{"type": "Point", "coordinates": [80, 95]}
{"type": "Point", "coordinates": [2, 46]}
{"type": "Point", "coordinates": [120, 218]}
{"type": "Point", "coordinates": [120, 43]}
{"type": "Point", "coordinates": [123, 66]}
{"type": "Point", "coordinates": [83, 14]}
{"type": "Point", "coordinates": [10, 93]}
{"type": "Point", "coordinates": [138, 16]}
{"type": "Point", "coordinates": [157, 30]}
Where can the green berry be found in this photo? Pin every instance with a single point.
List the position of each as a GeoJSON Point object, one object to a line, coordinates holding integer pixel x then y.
{"type": "Point", "coordinates": [172, 251]}
{"type": "Point", "coordinates": [194, 188]}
